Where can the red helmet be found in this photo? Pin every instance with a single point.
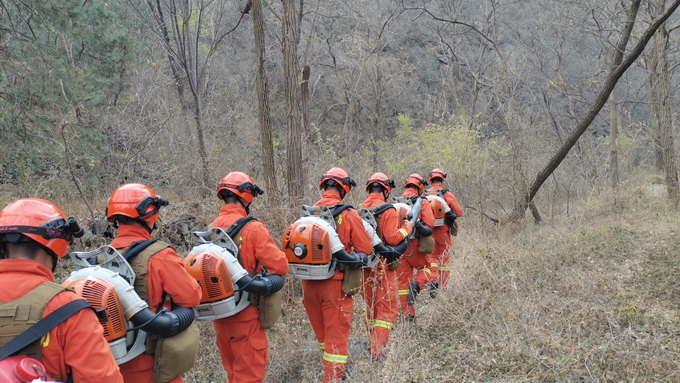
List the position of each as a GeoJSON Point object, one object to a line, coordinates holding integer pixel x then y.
{"type": "Point", "coordinates": [340, 177]}
{"type": "Point", "coordinates": [40, 220]}
{"type": "Point", "coordinates": [437, 173]}
{"type": "Point", "coordinates": [241, 185]}
{"type": "Point", "coordinates": [135, 201]}
{"type": "Point", "coordinates": [417, 181]}
{"type": "Point", "coordinates": [382, 180]}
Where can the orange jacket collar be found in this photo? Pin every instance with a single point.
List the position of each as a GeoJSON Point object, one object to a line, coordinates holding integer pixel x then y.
{"type": "Point", "coordinates": [373, 199]}
{"type": "Point", "coordinates": [229, 208]}
{"type": "Point", "coordinates": [27, 266]}
{"type": "Point", "coordinates": [409, 192]}
{"type": "Point", "coordinates": [329, 198]}
{"type": "Point", "coordinates": [436, 187]}
{"type": "Point", "coordinates": [128, 234]}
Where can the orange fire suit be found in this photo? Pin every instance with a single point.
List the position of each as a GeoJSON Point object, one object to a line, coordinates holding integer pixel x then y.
{"type": "Point", "coordinates": [413, 259]}
{"type": "Point", "coordinates": [240, 339]}
{"type": "Point", "coordinates": [76, 346]}
{"type": "Point", "coordinates": [380, 284]}
{"type": "Point", "coordinates": [442, 237]}
{"type": "Point", "coordinates": [166, 274]}
{"type": "Point", "coordinates": [328, 308]}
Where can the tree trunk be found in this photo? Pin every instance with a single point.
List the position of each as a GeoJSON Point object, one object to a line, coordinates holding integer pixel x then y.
{"type": "Point", "coordinates": [665, 99]}
{"type": "Point", "coordinates": [291, 89]}
{"type": "Point", "coordinates": [263, 103]}
{"type": "Point", "coordinates": [609, 84]}
{"type": "Point", "coordinates": [613, 138]}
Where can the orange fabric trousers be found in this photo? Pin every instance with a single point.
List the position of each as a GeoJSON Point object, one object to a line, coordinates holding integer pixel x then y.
{"type": "Point", "coordinates": [243, 348]}
{"type": "Point", "coordinates": [330, 313]}
{"type": "Point", "coordinates": [442, 253]}
{"type": "Point", "coordinates": [429, 273]}
{"type": "Point", "coordinates": [382, 305]}
{"type": "Point", "coordinates": [409, 264]}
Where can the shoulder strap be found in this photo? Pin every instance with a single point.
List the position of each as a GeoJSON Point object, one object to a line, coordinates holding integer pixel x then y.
{"type": "Point", "coordinates": [137, 247]}
{"type": "Point", "coordinates": [238, 226]}
{"type": "Point", "coordinates": [337, 209]}
{"type": "Point", "coordinates": [381, 209]}
{"type": "Point", "coordinates": [41, 328]}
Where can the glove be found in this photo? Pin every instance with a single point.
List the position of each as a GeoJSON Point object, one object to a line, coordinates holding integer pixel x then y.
{"type": "Point", "coordinates": [449, 218]}
{"type": "Point", "coordinates": [422, 230]}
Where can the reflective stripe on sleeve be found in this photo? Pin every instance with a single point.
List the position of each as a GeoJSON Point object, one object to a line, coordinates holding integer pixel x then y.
{"type": "Point", "coordinates": [403, 292]}
{"type": "Point", "coordinates": [403, 232]}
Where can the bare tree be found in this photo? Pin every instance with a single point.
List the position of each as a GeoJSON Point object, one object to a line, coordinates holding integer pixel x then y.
{"type": "Point", "coordinates": [608, 86]}
{"type": "Point", "coordinates": [263, 102]}
{"type": "Point", "coordinates": [181, 26]}
{"type": "Point", "coordinates": [294, 126]}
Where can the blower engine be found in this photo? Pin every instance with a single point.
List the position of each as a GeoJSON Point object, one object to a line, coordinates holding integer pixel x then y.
{"type": "Point", "coordinates": [125, 317]}
{"type": "Point", "coordinates": [439, 209]}
{"type": "Point", "coordinates": [21, 369]}
{"type": "Point", "coordinates": [379, 249]}
{"type": "Point", "coordinates": [408, 209]}
{"type": "Point", "coordinates": [225, 284]}
{"type": "Point", "coordinates": [313, 247]}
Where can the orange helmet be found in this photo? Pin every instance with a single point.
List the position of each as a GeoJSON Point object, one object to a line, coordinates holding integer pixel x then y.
{"type": "Point", "coordinates": [340, 177]}
{"type": "Point", "coordinates": [135, 201]}
{"type": "Point", "coordinates": [417, 181]}
{"type": "Point", "coordinates": [381, 180]}
{"type": "Point", "coordinates": [437, 173]}
{"type": "Point", "coordinates": [41, 221]}
{"type": "Point", "coordinates": [241, 185]}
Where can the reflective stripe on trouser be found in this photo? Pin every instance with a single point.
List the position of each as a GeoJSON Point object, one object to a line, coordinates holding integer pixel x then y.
{"type": "Point", "coordinates": [428, 274]}
{"type": "Point", "coordinates": [243, 349]}
{"type": "Point", "coordinates": [442, 253]}
{"type": "Point", "coordinates": [330, 314]}
{"type": "Point", "coordinates": [404, 277]}
{"type": "Point", "coordinates": [382, 307]}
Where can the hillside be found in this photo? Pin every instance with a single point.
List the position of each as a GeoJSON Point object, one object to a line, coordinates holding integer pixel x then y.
{"type": "Point", "coordinates": [592, 297]}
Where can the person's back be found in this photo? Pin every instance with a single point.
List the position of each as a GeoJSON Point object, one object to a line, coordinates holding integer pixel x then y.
{"type": "Point", "coordinates": [161, 277]}
{"type": "Point", "coordinates": [329, 308]}
{"type": "Point", "coordinates": [380, 285]}
{"type": "Point", "coordinates": [240, 338]}
{"type": "Point", "coordinates": [34, 234]}
{"type": "Point", "coordinates": [408, 288]}
{"type": "Point", "coordinates": [442, 234]}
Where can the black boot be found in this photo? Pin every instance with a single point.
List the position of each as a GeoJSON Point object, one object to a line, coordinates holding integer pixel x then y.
{"type": "Point", "coordinates": [413, 290]}
{"type": "Point", "coordinates": [434, 289]}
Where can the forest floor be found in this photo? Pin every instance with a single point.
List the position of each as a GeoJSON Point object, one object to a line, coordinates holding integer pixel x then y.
{"type": "Point", "coordinates": [592, 296]}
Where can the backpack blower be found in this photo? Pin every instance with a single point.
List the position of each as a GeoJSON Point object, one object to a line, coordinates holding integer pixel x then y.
{"type": "Point", "coordinates": [313, 248]}
{"type": "Point", "coordinates": [125, 317]}
{"type": "Point", "coordinates": [225, 284]}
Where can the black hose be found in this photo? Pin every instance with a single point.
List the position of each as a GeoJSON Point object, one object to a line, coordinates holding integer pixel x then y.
{"type": "Point", "coordinates": [391, 252]}
{"type": "Point", "coordinates": [353, 260]}
{"type": "Point", "coordinates": [423, 230]}
{"type": "Point", "coordinates": [165, 324]}
{"type": "Point", "coordinates": [261, 284]}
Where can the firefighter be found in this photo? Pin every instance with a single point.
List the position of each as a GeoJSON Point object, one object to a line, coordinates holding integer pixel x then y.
{"type": "Point", "coordinates": [408, 287]}
{"type": "Point", "coordinates": [380, 283]}
{"type": "Point", "coordinates": [34, 234]}
{"type": "Point", "coordinates": [161, 278]}
{"type": "Point", "coordinates": [241, 340]}
{"type": "Point", "coordinates": [442, 234]}
{"type": "Point", "coordinates": [328, 307]}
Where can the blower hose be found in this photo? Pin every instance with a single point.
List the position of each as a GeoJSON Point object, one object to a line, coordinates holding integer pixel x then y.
{"type": "Point", "coordinates": [422, 230]}
{"type": "Point", "coordinates": [261, 284]}
{"type": "Point", "coordinates": [391, 252]}
{"type": "Point", "coordinates": [164, 323]}
{"type": "Point", "coordinates": [352, 260]}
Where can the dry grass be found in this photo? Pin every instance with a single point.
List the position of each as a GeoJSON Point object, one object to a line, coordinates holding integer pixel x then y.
{"type": "Point", "coordinates": [592, 297]}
